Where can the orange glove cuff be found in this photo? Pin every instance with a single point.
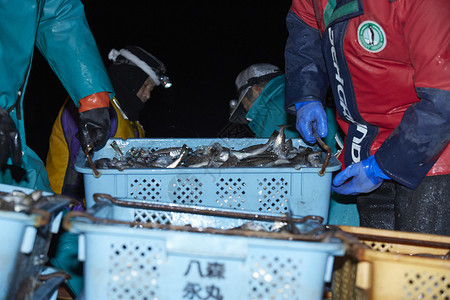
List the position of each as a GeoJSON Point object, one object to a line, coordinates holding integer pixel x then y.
{"type": "Point", "coordinates": [97, 100]}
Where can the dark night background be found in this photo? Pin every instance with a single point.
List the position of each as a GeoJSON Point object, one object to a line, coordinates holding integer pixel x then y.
{"type": "Point", "coordinates": [204, 45]}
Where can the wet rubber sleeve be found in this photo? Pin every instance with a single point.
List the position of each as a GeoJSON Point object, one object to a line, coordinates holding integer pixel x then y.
{"type": "Point", "coordinates": [415, 145]}
{"type": "Point", "coordinates": [65, 40]}
{"type": "Point", "coordinates": [306, 77]}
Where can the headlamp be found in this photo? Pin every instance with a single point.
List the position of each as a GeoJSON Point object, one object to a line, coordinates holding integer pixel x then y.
{"type": "Point", "coordinates": [165, 81]}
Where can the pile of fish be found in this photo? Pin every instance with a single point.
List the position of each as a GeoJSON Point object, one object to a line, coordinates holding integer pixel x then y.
{"type": "Point", "coordinates": [19, 201]}
{"type": "Point", "coordinates": [276, 152]}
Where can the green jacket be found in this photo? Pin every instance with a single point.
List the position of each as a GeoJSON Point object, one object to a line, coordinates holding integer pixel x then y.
{"type": "Point", "coordinates": [58, 28]}
{"type": "Point", "coordinates": [267, 112]}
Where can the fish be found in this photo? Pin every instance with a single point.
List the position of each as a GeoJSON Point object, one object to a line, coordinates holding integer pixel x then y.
{"type": "Point", "coordinates": [315, 158]}
{"type": "Point", "coordinates": [196, 161]}
{"type": "Point", "coordinates": [281, 138]}
{"type": "Point", "coordinates": [161, 161]}
{"type": "Point", "coordinates": [276, 152]}
{"type": "Point", "coordinates": [183, 152]}
{"type": "Point", "coordinates": [256, 149]}
{"type": "Point", "coordinates": [173, 152]}
{"type": "Point", "coordinates": [116, 148]}
{"type": "Point", "coordinates": [202, 157]}
{"type": "Point", "coordinates": [23, 202]}
{"type": "Point", "coordinates": [255, 161]}
{"type": "Point", "coordinates": [103, 163]}
{"type": "Point", "coordinates": [231, 162]}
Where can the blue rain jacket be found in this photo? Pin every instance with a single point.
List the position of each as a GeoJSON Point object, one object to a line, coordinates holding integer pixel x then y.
{"type": "Point", "coordinates": [267, 112]}
{"type": "Point", "coordinates": [58, 28]}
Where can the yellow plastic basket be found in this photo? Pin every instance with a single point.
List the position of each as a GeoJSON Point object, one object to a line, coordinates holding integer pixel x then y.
{"type": "Point", "coordinates": [393, 265]}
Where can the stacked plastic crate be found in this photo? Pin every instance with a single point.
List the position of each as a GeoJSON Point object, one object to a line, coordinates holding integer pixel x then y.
{"type": "Point", "coordinates": [393, 265]}
{"type": "Point", "coordinates": [28, 219]}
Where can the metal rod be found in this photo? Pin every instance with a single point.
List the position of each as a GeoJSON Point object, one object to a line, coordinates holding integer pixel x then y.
{"type": "Point", "coordinates": [399, 240]}
{"type": "Point", "coordinates": [324, 236]}
{"type": "Point", "coordinates": [326, 148]}
{"type": "Point", "coordinates": [91, 163]}
{"type": "Point", "coordinates": [205, 211]}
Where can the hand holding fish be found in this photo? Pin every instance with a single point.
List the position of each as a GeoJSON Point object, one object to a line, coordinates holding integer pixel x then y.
{"type": "Point", "coordinates": [363, 177]}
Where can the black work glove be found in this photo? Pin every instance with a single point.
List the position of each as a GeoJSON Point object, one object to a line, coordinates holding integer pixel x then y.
{"type": "Point", "coordinates": [10, 145]}
{"type": "Point", "coordinates": [93, 129]}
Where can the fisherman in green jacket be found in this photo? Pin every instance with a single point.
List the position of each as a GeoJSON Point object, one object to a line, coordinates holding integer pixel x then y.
{"type": "Point", "coordinates": [59, 30]}
{"type": "Point", "coordinates": [260, 102]}
{"type": "Point", "coordinates": [261, 105]}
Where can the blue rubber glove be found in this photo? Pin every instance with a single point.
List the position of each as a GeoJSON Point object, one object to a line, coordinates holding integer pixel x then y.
{"type": "Point", "coordinates": [309, 114]}
{"type": "Point", "coordinates": [364, 176]}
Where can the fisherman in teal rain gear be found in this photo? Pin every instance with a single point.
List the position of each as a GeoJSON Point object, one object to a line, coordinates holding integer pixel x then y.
{"type": "Point", "coordinates": [261, 105]}
{"type": "Point", "coordinates": [59, 30]}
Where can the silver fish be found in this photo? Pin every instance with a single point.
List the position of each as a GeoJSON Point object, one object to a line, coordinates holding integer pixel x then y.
{"type": "Point", "coordinates": [256, 149]}
{"type": "Point", "coordinates": [173, 152]}
{"type": "Point", "coordinates": [315, 159]}
{"type": "Point", "coordinates": [116, 148]}
{"type": "Point", "coordinates": [177, 162]}
{"type": "Point", "coordinates": [257, 162]}
{"type": "Point", "coordinates": [23, 202]}
{"type": "Point", "coordinates": [280, 140]}
{"type": "Point", "coordinates": [161, 161]}
{"type": "Point", "coordinates": [231, 162]}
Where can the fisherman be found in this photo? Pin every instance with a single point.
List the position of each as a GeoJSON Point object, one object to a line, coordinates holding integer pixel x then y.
{"type": "Point", "coordinates": [59, 30]}
{"type": "Point", "coordinates": [260, 103]}
{"type": "Point", "coordinates": [390, 77]}
{"type": "Point", "coordinates": [134, 73]}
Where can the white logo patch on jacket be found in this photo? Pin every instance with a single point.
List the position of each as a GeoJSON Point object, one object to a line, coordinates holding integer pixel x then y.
{"type": "Point", "coordinates": [371, 36]}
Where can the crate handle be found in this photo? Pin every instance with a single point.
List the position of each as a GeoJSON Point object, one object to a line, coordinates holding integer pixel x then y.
{"type": "Point", "coordinates": [444, 241]}
{"type": "Point", "coordinates": [325, 234]}
{"type": "Point", "coordinates": [43, 217]}
{"type": "Point", "coordinates": [58, 273]}
{"type": "Point", "coordinates": [199, 210]}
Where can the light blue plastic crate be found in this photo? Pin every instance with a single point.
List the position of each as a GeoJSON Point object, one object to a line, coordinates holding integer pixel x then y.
{"type": "Point", "coordinates": [260, 190]}
{"type": "Point", "coordinates": [123, 262]}
{"type": "Point", "coordinates": [25, 244]}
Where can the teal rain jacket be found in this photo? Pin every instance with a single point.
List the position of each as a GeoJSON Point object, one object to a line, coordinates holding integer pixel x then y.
{"type": "Point", "coordinates": [58, 28]}
{"type": "Point", "coordinates": [268, 111]}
